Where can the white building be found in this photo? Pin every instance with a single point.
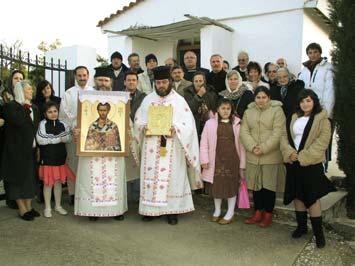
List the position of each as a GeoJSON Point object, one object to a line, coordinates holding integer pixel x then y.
{"type": "Point", "coordinates": [75, 56]}
{"type": "Point", "coordinates": [267, 30]}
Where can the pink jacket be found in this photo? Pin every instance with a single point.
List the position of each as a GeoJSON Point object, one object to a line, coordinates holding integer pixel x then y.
{"type": "Point", "coordinates": [208, 147]}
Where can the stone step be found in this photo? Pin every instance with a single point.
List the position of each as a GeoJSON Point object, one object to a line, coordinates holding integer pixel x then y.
{"type": "Point", "coordinates": [333, 206]}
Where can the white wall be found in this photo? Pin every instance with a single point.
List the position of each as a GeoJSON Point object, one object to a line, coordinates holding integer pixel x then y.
{"type": "Point", "coordinates": [159, 12]}
{"type": "Point", "coordinates": [267, 30]}
{"type": "Point", "coordinates": [75, 56]}
{"type": "Point", "coordinates": [215, 40]}
{"type": "Point", "coordinates": [314, 31]}
{"type": "Point", "coordinates": [122, 44]}
{"type": "Point", "coordinates": [269, 37]}
{"type": "Point", "coordinates": [162, 49]}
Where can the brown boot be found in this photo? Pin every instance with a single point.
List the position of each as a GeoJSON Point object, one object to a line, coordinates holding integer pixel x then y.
{"type": "Point", "coordinates": [255, 218]}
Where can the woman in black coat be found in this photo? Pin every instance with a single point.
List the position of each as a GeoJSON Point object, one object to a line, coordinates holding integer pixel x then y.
{"type": "Point", "coordinates": [286, 91]}
{"type": "Point", "coordinates": [18, 160]}
{"type": "Point", "coordinates": [45, 93]}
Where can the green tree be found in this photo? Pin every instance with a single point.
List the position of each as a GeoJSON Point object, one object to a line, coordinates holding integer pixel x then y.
{"type": "Point", "coordinates": [101, 60]}
{"type": "Point", "coordinates": [8, 65]}
{"type": "Point", "coordinates": [343, 57]}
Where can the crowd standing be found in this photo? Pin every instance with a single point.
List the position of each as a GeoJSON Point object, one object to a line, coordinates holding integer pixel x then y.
{"type": "Point", "coordinates": [230, 126]}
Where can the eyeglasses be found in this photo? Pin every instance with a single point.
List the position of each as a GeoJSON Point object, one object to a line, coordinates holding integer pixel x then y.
{"type": "Point", "coordinates": [272, 71]}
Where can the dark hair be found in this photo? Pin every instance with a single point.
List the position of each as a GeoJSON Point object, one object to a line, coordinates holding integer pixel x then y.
{"type": "Point", "coordinates": [40, 87]}
{"type": "Point", "coordinates": [190, 51]}
{"type": "Point", "coordinates": [262, 89]}
{"type": "Point", "coordinates": [176, 67]}
{"type": "Point", "coordinates": [81, 67]}
{"type": "Point", "coordinates": [226, 62]}
{"type": "Point", "coordinates": [103, 104]}
{"type": "Point", "coordinates": [199, 73]}
{"type": "Point", "coordinates": [254, 65]}
{"type": "Point", "coordinates": [222, 101]}
{"type": "Point", "coordinates": [10, 88]}
{"type": "Point", "coordinates": [132, 55]}
{"type": "Point", "coordinates": [128, 73]}
{"type": "Point", "coordinates": [266, 67]}
{"type": "Point", "coordinates": [48, 105]}
{"type": "Point", "coordinates": [317, 108]}
{"type": "Point", "coordinates": [314, 46]}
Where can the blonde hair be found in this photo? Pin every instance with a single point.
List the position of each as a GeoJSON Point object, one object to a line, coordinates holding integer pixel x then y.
{"type": "Point", "coordinates": [18, 90]}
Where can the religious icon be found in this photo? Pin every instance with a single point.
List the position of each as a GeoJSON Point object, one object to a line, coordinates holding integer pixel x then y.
{"type": "Point", "coordinates": [103, 122]}
{"type": "Point", "coordinates": [159, 120]}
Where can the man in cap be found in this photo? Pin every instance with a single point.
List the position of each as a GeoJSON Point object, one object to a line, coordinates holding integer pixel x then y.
{"type": "Point", "coordinates": [168, 163]}
{"type": "Point", "coordinates": [101, 181]}
{"type": "Point", "coordinates": [117, 70]}
{"type": "Point", "coordinates": [146, 79]}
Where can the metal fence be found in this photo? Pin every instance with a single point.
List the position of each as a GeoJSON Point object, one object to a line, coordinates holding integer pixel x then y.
{"type": "Point", "coordinates": [10, 60]}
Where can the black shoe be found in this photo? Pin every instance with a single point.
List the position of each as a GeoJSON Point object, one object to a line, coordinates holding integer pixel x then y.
{"type": "Point", "coordinates": [301, 229]}
{"type": "Point", "coordinates": [318, 231]}
{"type": "Point", "coordinates": [34, 213]}
{"type": "Point", "coordinates": [119, 218]}
{"type": "Point", "coordinates": [172, 219]}
{"type": "Point", "coordinates": [147, 218]}
{"type": "Point", "coordinates": [93, 219]}
{"type": "Point", "coordinates": [12, 204]}
{"type": "Point", "coordinates": [72, 200]}
{"type": "Point", "coordinates": [27, 216]}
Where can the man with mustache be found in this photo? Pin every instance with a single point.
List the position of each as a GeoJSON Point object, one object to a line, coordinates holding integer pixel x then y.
{"type": "Point", "coordinates": [68, 114]}
{"type": "Point", "coordinates": [164, 173]}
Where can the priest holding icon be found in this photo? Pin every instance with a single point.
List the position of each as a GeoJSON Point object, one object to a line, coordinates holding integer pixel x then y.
{"type": "Point", "coordinates": [165, 130]}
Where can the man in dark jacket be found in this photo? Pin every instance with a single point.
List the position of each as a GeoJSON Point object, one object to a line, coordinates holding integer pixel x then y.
{"type": "Point", "coordinates": [217, 76]}
{"type": "Point", "coordinates": [117, 70]}
{"type": "Point", "coordinates": [131, 84]}
{"type": "Point", "coordinates": [190, 65]}
{"type": "Point", "coordinates": [133, 62]}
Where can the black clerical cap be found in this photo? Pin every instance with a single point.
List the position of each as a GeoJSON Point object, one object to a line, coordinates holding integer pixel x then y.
{"type": "Point", "coordinates": [161, 72]}
{"type": "Point", "coordinates": [102, 72]}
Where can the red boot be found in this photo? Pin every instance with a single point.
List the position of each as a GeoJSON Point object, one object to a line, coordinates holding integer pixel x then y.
{"type": "Point", "coordinates": [267, 220]}
{"type": "Point", "coordinates": [255, 218]}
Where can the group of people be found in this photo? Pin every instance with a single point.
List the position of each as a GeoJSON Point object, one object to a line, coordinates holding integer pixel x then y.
{"type": "Point", "coordinates": [228, 126]}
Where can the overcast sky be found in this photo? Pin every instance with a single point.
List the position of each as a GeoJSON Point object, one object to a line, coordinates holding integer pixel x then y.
{"type": "Point", "coordinates": [72, 21]}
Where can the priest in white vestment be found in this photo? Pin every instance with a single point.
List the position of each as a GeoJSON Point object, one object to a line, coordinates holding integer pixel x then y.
{"type": "Point", "coordinates": [101, 181]}
{"type": "Point", "coordinates": [166, 161]}
{"type": "Point", "coordinates": [68, 114]}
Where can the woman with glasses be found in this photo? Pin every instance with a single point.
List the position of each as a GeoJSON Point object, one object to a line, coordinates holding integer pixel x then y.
{"type": "Point", "coordinates": [286, 90]}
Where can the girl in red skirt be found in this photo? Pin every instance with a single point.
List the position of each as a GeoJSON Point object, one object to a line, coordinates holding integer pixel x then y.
{"type": "Point", "coordinates": [53, 171]}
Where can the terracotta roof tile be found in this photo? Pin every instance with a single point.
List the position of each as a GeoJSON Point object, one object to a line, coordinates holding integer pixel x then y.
{"type": "Point", "coordinates": [118, 13]}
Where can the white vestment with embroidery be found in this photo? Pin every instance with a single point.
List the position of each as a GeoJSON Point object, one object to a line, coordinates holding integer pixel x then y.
{"type": "Point", "coordinates": [165, 186]}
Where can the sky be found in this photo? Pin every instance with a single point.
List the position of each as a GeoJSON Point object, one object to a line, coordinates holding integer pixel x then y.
{"type": "Point", "coordinates": [73, 22]}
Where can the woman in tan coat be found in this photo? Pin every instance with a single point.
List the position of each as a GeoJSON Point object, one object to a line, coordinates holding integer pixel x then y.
{"type": "Point", "coordinates": [308, 135]}
{"type": "Point", "coordinates": [262, 126]}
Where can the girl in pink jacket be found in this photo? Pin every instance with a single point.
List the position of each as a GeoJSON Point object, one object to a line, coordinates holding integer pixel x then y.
{"type": "Point", "coordinates": [222, 159]}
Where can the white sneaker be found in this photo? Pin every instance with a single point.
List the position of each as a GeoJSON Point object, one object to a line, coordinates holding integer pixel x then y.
{"type": "Point", "coordinates": [47, 213]}
{"type": "Point", "coordinates": [60, 210]}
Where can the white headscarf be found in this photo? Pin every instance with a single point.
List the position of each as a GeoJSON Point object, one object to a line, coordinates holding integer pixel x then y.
{"type": "Point", "coordinates": [18, 91]}
{"type": "Point", "coordinates": [231, 73]}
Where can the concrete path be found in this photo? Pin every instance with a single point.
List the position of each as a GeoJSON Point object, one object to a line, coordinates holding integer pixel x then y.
{"type": "Point", "coordinates": [194, 241]}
